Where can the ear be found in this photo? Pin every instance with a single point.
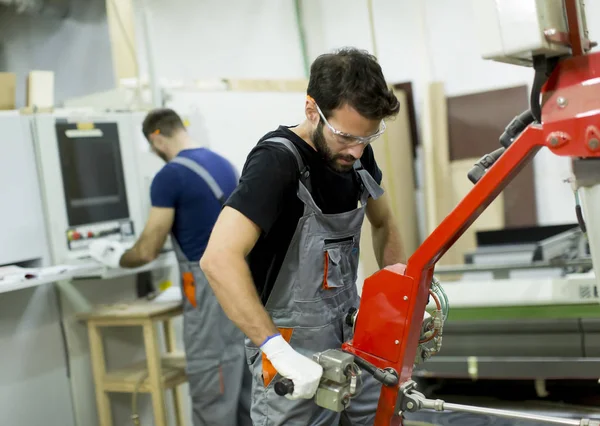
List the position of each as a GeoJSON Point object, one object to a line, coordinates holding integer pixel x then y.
{"type": "Point", "coordinates": [311, 111]}
{"type": "Point", "coordinates": [151, 139]}
{"type": "Point", "coordinates": [158, 141]}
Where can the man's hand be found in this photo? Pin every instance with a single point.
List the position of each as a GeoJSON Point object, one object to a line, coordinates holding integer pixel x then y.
{"type": "Point", "coordinates": [304, 372]}
{"type": "Point", "coordinates": [107, 252]}
{"type": "Point", "coordinates": [147, 248]}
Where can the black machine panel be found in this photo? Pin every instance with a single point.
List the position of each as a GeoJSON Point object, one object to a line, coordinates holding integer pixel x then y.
{"type": "Point", "coordinates": [93, 179]}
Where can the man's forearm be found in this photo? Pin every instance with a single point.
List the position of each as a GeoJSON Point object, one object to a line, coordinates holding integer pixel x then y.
{"type": "Point", "coordinates": [387, 245]}
{"type": "Point", "coordinates": [235, 290]}
{"type": "Point", "coordinates": [134, 258]}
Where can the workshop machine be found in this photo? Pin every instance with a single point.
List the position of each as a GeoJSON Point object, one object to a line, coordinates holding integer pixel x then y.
{"type": "Point", "coordinates": [391, 336]}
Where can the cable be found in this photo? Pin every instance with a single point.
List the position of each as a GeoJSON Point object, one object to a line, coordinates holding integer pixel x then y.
{"type": "Point", "coordinates": [539, 79]}
{"type": "Point", "coordinates": [439, 291]}
{"type": "Point", "coordinates": [439, 308]}
{"type": "Point", "coordinates": [579, 214]}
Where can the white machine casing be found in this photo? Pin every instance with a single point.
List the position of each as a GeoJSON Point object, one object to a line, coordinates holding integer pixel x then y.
{"type": "Point", "coordinates": [124, 229]}
{"type": "Point", "coordinates": [513, 31]}
{"type": "Point", "coordinates": [22, 218]}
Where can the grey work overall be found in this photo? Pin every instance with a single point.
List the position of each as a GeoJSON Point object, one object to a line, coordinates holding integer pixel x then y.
{"type": "Point", "coordinates": [218, 377]}
{"type": "Point", "coordinates": [312, 294]}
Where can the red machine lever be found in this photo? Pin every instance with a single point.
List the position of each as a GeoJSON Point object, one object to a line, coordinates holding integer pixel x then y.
{"type": "Point", "coordinates": [388, 323]}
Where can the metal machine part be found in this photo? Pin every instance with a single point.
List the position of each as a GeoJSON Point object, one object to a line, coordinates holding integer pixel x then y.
{"type": "Point", "coordinates": [388, 325]}
{"type": "Point", "coordinates": [551, 37]}
{"type": "Point", "coordinates": [337, 365]}
{"type": "Point", "coordinates": [410, 400]}
{"type": "Point", "coordinates": [333, 396]}
{"type": "Point", "coordinates": [516, 32]}
{"type": "Point", "coordinates": [338, 384]}
{"type": "Point", "coordinates": [548, 252]}
{"type": "Point", "coordinates": [571, 244]}
{"type": "Point", "coordinates": [88, 194]}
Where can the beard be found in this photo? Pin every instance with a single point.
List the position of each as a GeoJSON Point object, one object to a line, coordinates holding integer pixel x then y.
{"type": "Point", "coordinates": [331, 159]}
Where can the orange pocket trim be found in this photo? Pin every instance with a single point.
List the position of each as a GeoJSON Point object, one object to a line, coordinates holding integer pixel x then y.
{"type": "Point", "coordinates": [326, 271]}
{"type": "Point", "coordinates": [268, 371]}
{"type": "Point", "coordinates": [189, 287]}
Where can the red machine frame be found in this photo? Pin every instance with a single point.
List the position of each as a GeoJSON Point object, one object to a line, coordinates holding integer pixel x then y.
{"type": "Point", "coordinates": [388, 323]}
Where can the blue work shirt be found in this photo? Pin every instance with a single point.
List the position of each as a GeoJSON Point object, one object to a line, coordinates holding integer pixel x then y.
{"type": "Point", "coordinates": [196, 208]}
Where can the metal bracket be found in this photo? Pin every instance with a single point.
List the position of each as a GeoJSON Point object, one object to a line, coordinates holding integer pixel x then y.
{"type": "Point", "coordinates": [561, 38]}
{"type": "Point", "coordinates": [409, 400]}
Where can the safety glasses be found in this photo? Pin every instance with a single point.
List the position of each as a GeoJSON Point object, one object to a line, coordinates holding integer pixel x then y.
{"type": "Point", "coordinates": [348, 139]}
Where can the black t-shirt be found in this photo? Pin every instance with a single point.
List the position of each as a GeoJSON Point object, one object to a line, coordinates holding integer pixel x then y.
{"type": "Point", "coordinates": [266, 194]}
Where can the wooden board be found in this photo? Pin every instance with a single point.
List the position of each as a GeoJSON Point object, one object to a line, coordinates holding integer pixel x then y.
{"type": "Point", "coordinates": [121, 28]}
{"type": "Point", "coordinates": [8, 90]}
{"type": "Point", "coordinates": [136, 376]}
{"type": "Point", "coordinates": [437, 187]}
{"type": "Point", "coordinates": [135, 310]}
{"type": "Point", "coordinates": [40, 89]}
{"type": "Point", "coordinates": [393, 152]}
{"type": "Point", "coordinates": [491, 219]}
{"type": "Point", "coordinates": [409, 105]}
{"type": "Point", "coordinates": [267, 85]}
{"type": "Point", "coordinates": [475, 122]}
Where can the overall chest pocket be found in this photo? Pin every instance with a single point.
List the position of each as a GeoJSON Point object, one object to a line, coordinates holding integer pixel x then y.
{"type": "Point", "coordinates": [329, 270]}
{"type": "Point", "coordinates": [340, 261]}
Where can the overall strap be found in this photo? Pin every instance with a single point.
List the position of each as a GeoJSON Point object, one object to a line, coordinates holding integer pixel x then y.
{"type": "Point", "coordinates": [204, 175]}
{"type": "Point", "coordinates": [368, 184]}
{"type": "Point", "coordinates": [302, 168]}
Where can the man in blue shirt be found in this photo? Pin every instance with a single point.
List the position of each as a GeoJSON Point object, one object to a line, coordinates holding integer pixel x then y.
{"type": "Point", "coordinates": [187, 195]}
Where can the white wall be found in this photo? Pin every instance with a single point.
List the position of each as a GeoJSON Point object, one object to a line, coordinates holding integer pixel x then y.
{"type": "Point", "coordinates": [418, 41]}
{"type": "Point", "coordinates": [76, 48]}
{"type": "Point", "coordinates": [207, 39]}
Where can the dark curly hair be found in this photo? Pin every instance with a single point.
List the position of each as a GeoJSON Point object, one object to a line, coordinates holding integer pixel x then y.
{"type": "Point", "coordinates": [354, 77]}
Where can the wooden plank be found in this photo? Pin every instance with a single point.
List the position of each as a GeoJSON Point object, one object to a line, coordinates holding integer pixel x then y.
{"type": "Point", "coordinates": [155, 375]}
{"type": "Point", "coordinates": [393, 152]}
{"type": "Point", "coordinates": [121, 313]}
{"type": "Point", "coordinates": [267, 85]}
{"type": "Point", "coordinates": [475, 123]}
{"type": "Point", "coordinates": [8, 91]}
{"type": "Point", "coordinates": [409, 105]}
{"type": "Point", "coordinates": [124, 380]}
{"type": "Point", "coordinates": [40, 89]}
{"type": "Point", "coordinates": [437, 189]}
{"type": "Point", "coordinates": [491, 219]}
{"type": "Point", "coordinates": [121, 28]}
{"type": "Point", "coordinates": [99, 372]}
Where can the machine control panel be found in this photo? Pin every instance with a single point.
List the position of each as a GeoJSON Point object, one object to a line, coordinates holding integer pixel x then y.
{"type": "Point", "coordinates": [79, 237]}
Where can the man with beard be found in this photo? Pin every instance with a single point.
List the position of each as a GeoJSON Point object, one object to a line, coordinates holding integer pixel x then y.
{"type": "Point", "coordinates": [187, 195]}
{"type": "Point", "coordinates": [283, 256]}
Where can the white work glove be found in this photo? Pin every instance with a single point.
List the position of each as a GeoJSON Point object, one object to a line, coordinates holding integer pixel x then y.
{"type": "Point", "coordinates": [304, 372]}
{"type": "Point", "coordinates": [107, 252]}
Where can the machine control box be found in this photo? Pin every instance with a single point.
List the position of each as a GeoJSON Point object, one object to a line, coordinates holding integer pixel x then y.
{"type": "Point", "coordinates": [513, 31]}
{"type": "Point", "coordinates": [79, 237]}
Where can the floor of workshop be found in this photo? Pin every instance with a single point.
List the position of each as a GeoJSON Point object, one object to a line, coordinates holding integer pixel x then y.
{"type": "Point", "coordinates": [568, 399]}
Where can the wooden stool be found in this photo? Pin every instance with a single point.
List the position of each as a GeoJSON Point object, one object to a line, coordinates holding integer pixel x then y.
{"type": "Point", "coordinates": [154, 375]}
